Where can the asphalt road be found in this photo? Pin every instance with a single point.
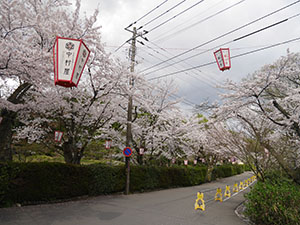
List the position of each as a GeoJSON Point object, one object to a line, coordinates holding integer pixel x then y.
{"type": "Point", "coordinates": [165, 207]}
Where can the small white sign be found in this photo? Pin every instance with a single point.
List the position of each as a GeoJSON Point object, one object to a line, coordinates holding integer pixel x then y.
{"type": "Point", "coordinates": [185, 162]}
{"type": "Point", "coordinates": [195, 162]}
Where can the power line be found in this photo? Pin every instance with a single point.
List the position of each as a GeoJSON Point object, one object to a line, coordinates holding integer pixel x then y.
{"type": "Point", "coordinates": [168, 20]}
{"type": "Point", "coordinates": [213, 81]}
{"type": "Point", "coordinates": [169, 10]}
{"type": "Point", "coordinates": [175, 67]}
{"type": "Point", "coordinates": [147, 13]}
{"type": "Point", "coordinates": [201, 21]}
{"type": "Point", "coordinates": [189, 20]}
{"type": "Point", "coordinates": [117, 49]}
{"type": "Point", "coordinates": [226, 43]}
{"type": "Point", "coordinates": [236, 56]}
{"type": "Point", "coordinates": [223, 35]}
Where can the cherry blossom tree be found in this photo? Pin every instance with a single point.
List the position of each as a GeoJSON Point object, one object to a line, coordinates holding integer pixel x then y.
{"type": "Point", "coordinates": [266, 108]}
{"type": "Point", "coordinates": [28, 30]}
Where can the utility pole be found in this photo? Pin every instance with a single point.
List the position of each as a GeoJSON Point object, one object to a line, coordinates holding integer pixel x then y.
{"type": "Point", "coordinates": [129, 112]}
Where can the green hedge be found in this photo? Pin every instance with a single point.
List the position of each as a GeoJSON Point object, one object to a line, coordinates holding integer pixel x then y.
{"type": "Point", "coordinates": [227, 171]}
{"type": "Point", "coordinates": [274, 202]}
{"type": "Point", "coordinates": [28, 183]}
{"type": "Point", "coordinates": [153, 177]}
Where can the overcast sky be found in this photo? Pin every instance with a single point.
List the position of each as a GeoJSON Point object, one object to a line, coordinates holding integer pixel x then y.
{"type": "Point", "coordinates": [198, 85]}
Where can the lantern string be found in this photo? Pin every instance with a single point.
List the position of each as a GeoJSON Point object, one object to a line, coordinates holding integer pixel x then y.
{"type": "Point", "coordinates": [226, 43]}
{"type": "Point", "coordinates": [236, 56]}
{"type": "Point", "coordinates": [223, 35]}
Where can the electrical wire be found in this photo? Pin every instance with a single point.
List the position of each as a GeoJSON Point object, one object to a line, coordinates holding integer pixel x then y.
{"type": "Point", "coordinates": [214, 81]}
{"type": "Point", "coordinates": [121, 45]}
{"type": "Point", "coordinates": [205, 80]}
{"type": "Point", "coordinates": [147, 13]}
{"type": "Point", "coordinates": [172, 35]}
{"type": "Point", "coordinates": [223, 35]}
{"type": "Point", "coordinates": [226, 43]}
{"type": "Point", "coordinates": [168, 20]}
{"type": "Point", "coordinates": [169, 10]}
{"type": "Point", "coordinates": [189, 20]}
{"type": "Point", "coordinates": [175, 67]}
{"type": "Point", "coordinates": [236, 56]}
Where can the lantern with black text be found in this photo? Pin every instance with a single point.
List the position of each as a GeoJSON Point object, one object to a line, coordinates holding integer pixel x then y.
{"type": "Point", "coordinates": [70, 57]}
{"type": "Point", "coordinates": [107, 144]}
{"type": "Point", "coordinates": [223, 58]}
{"type": "Point", "coordinates": [58, 136]}
{"type": "Point", "coordinates": [142, 151]}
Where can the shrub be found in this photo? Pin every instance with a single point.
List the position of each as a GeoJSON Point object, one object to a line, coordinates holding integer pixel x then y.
{"type": "Point", "coordinates": [153, 177]}
{"type": "Point", "coordinates": [7, 173]}
{"type": "Point", "coordinates": [106, 179]}
{"type": "Point", "coordinates": [227, 170]}
{"type": "Point", "coordinates": [274, 202]}
{"type": "Point", "coordinates": [48, 181]}
{"type": "Point", "coordinates": [37, 182]}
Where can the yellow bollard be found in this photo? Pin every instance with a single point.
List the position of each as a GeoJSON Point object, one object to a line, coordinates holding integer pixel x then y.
{"type": "Point", "coordinates": [235, 188]}
{"type": "Point", "coordinates": [218, 195]}
{"type": "Point", "coordinates": [200, 198]}
{"type": "Point", "coordinates": [241, 187]}
{"type": "Point", "coordinates": [227, 192]}
{"type": "Point", "coordinates": [245, 183]}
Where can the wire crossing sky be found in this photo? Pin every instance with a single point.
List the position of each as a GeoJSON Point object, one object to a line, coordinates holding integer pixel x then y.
{"type": "Point", "coordinates": [186, 36]}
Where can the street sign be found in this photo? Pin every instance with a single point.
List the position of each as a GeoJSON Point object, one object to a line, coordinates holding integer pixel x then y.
{"type": "Point", "coordinates": [127, 152]}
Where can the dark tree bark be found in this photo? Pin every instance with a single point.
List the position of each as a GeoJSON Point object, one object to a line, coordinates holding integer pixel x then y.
{"type": "Point", "coordinates": [8, 122]}
{"type": "Point", "coordinates": [72, 154]}
{"type": "Point", "coordinates": [6, 126]}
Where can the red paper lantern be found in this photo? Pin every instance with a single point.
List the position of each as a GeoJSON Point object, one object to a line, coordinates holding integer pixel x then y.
{"type": "Point", "coordinates": [142, 150]}
{"type": "Point", "coordinates": [223, 58]}
{"type": "Point", "coordinates": [70, 57]}
{"type": "Point", "coordinates": [58, 136]}
{"type": "Point", "coordinates": [108, 144]}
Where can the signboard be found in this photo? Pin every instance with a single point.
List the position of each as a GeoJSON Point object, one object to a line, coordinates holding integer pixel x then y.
{"type": "Point", "coordinates": [195, 162]}
{"type": "Point", "coordinates": [185, 162]}
{"type": "Point", "coordinates": [127, 152]}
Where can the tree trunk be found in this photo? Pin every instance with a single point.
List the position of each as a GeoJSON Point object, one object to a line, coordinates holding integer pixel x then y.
{"type": "Point", "coordinates": [8, 122]}
{"type": "Point", "coordinates": [6, 126]}
{"type": "Point", "coordinates": [71, 154]}
{"type": "Point", "coordinates": [209, 172]}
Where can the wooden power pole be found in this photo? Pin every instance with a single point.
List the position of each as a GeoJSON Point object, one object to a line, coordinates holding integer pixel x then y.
{"type": "Point", "coordinates": [132, 53]}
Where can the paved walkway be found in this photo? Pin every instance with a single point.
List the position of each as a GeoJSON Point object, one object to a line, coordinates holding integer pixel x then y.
{"type": "Point", "coordinates": [166, 207]}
